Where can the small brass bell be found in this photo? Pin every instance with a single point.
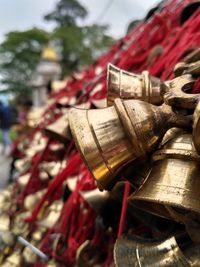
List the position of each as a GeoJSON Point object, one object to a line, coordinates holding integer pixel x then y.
{"type": "Point", "coordinates": [53, 215]}
{"type": "Point", "coordinates": [59, 130]}
{"type": "Point", "coordinates": [13, 260]}
{"type": "Point", "coordinates": [132, 251]}
{"type": "Point", "coordinates": [29, 257]}
{"type": "Point", "coordinates": [96, 199]}
{"type": "Point", "coordinates": [34, 116]}
{"type": "Point", "coordinates": [32, 199]}
{"type": "Point", "coordinates": [171, 189]}
{"type": "Point", "coordinates": [23, 180]}
{"type": "Point", "coordinates": [117, 135]}
{"type": "Point", "coordinates": [126, 85]}
{"type": "Point", "coordinates": [23, 164]}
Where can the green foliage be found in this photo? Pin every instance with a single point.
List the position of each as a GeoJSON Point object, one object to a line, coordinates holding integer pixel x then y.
{"type": "Point", "coordinates": [66, 13]}
{"type": "Point", "coordinates": [79, 45]}
{"type": "Point", "coordinates": [19, 55]}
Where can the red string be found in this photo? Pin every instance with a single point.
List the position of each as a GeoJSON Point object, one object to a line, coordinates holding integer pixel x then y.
{"type": "Point", "coordinates": [124, 208]}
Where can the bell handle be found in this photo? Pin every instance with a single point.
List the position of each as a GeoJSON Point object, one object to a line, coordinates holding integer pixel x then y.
{"type": "Point", "coordinates": [177, 95]}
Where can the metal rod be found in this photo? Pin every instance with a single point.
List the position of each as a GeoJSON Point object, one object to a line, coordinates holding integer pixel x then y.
{"type": "Point", "coordinates": [33, 248]}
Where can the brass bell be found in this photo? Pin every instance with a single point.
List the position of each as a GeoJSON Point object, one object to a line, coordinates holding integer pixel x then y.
{"type": "Point", "coordinates": [23, 164]}
{"type": "Point", "coordinates": [53, 215]}
{"type": "Point", "coordinates": [59, 130]}
{"type": "Point", "coordinates": [96, 199]}
{"type": "Point", "coordinates": [4, 222]}
{"type": "Point", "coordinates": [135, 251]}
{"type": "Point", "coordinates": [172, 188]}
{"type": "Point", "coordinates": [19, 226]}
{"type": "Point", "coordinates": [23, 180]}
{"type": "Point", "coordinates": [13, 260]}
{"type": "Point", "coordinates": [34, 116]}
{"type": "Point", "coordinates": [31, 200]}
{"type": "Point", "coordinates": [117, 135]}
{"type": "Point", "coordinates": [29, 257]}
{"type": "Point", "coordinates": [126, 85]}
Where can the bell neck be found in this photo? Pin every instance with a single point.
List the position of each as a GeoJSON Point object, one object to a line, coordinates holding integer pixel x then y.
{"type": "Point", "coordinates": [171, 119]}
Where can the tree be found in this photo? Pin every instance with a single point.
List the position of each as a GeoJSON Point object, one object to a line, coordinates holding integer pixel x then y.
{"type": "Point", "coordinates": [79, 45]}
{"type": "Point", "coordinates": [66, 13]}
{"type": "Point", "coordinates": [19, 54]}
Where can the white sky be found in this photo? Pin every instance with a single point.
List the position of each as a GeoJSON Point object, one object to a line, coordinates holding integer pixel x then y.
{"type": "Point", "coordinates": [24, 14]}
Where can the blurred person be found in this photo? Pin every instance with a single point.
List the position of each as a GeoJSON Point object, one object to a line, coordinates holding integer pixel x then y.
{"type": "Point", "coordinates": [5, 124]}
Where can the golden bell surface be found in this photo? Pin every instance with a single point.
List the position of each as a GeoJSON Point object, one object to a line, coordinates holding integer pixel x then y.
{"type": "Point", "coordinates": [132, 251]}
{"type": "Point", "coordinates": [196, 128]}
{"type": "Point", "coordinates": [117, 135]}
{"type": "Point", "coordinates": [173, 184]}
{"type": "Point", "coordinates": [126, 85]}
{"type": "Point", "coordinates": [59, 130]}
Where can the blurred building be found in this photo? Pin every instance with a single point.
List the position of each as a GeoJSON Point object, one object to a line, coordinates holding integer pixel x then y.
{"type": "Point", "coordinates": [47, 71]}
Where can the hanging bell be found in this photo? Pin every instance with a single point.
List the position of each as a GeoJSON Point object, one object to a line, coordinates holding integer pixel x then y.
{"type": "Point", "coordinates": [34, 116]}
{"type": "Point", "coordinates": [53, 215]}
{"type": "Point", "coordinates": [31, 200]}
{"type": "Point", "coordinates": [110, 138]}
{"type": "Point", "coordinates": [134, 251]}
{"type": "Point", "coordinates": [59, 130]}
{"type": "Point", "coordinates": [126, 85]}
{"type": "Point", "coordinates": [13, 260]}
{"type": "Point", "coordinates": [172, 188]}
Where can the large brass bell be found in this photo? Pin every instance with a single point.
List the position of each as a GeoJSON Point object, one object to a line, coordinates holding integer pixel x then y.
{"type": "Point", "coordinates": [110, 138]}
{"type": "Point", "coordinates": [126, 85]}
{"type": "Point", "coordinates": [134, 251]}
{"type": "Point", "coordinates": [172, 188]}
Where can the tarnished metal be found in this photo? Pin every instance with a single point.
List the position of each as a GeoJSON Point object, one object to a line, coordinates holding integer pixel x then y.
{"type": "Point", "coordinates": [196, 128]}
{"type": "Point", "coordinates": [134, 251]}
{"type": "Point", "coordinates": [172, 188]}
{"type": "Point", "coordinates": [177, 95]}
{"type": "Point", "coordinates": [126, 85]}
{"type": "Point", "coordinates": [183, 68]}
{"type": "Point", "coordinates": [117, 135]}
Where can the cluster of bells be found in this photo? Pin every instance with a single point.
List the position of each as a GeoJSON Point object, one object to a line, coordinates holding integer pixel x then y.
{"type": "Point", "coordinates": [152, 128]}
{"type": "Point", "coordinates": [147, 134]}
